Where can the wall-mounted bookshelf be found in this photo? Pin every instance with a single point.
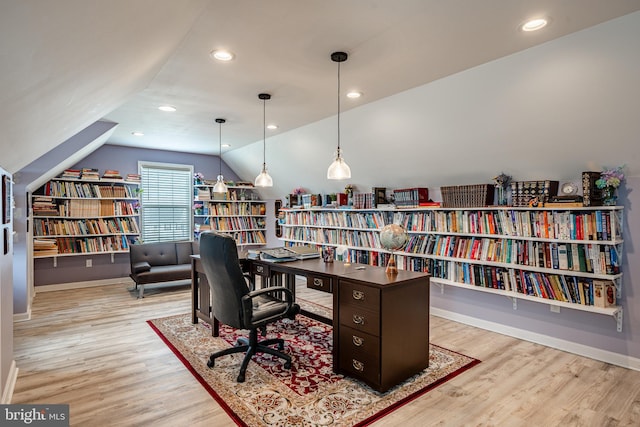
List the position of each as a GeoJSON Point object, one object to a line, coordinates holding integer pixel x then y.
{"type": "Point", "coordinates": [564, 257]}
{"type": "Point", "coordinates": [237, 212]}
{"type": "Point", "coordinates": [75, 216]}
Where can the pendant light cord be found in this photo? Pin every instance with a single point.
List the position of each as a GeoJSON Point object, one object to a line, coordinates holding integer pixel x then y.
{"type": "Point", "coordinates": [338, 109]}
{"type": "Point", "coordinates": [220, 146]}
{"type": "Point", "coordinates": [264, 133]}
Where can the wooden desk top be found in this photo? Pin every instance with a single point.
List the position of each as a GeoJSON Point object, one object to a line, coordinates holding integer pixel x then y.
{"type": "Point", "coordinates": [357, 272]}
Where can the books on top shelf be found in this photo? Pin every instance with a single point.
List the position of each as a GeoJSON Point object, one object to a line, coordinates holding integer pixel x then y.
{"type": "Point", "coordinates": [111, 174]}
{"type": "Point", "coordinates": [467, 196]}
{"type": "Point", "coordinates": [90, 174]}
{"type": "Point", "coordinates": [71, 173]}
{"type": "Point", "coordinates": [133, 177]}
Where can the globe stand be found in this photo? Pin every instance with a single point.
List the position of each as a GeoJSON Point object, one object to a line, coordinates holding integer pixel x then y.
{"type": "Point", "coordinates": [391, 265]}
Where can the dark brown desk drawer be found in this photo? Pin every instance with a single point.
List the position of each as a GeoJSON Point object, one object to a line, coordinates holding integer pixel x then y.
{"type": "Point", "coordinates": [356, 342]}
{"type": "Point", "coordinates": [359, 295]}
{"type": "Point", "coordinates": [365, 366]}
{"type": "Point", "coordinates": [320, 283]}
{"type": "Point", "coordinates": [260, 270]}
{"type": "Point", "coordinates": [360, 319]}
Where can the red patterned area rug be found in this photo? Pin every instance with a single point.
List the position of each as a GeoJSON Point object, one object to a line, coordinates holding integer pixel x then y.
{"type": "Point", "coordinates": [308, 394]}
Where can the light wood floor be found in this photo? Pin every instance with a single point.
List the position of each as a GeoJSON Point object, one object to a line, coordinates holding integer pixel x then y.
{"type": "Point", "coordinates": [92, 349]}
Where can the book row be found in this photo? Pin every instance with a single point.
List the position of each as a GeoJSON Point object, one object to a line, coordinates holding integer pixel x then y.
{"type": "Point", "coordinates": [43, 206]}
{"type": "Point", "coordinates": [586, 258]}
{"type": "Point", "coordinates": [67, 245]}
{"type": "Point", "coordinates": [57, 227]}
{"type": "Point", "coordinates": [561, 225]}
{"type": "Point", "coordinates": [334, 237]}
{"type": "Point", "coordinates": [235, 223]}
{"type": "Point", "coordinates": [558, 287]}
{"type": "Point", "coordinates": [374, 220]}
{"type": "Point", "coordinates": [240, 208]}
{"type": "Point", "coordinates": [83, 189]}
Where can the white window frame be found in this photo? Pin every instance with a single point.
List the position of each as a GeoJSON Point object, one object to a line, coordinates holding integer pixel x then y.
{"type": "Point", "coordinates": [160, 196]}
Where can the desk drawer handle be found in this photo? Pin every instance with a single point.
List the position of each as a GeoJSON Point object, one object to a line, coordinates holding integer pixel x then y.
{"type": "Point", "coordinates": [358, 320]}
{"type": "Point", "coordinates": [259, 269]}
{"type": "Point", "coordinates": [317, 282]}
{"type": "Point", "coordinates": [358, 295]}
{"type": "Point", "coordinates": [357, 341]}
{"type": "Point", "coordinates": [357, 365]}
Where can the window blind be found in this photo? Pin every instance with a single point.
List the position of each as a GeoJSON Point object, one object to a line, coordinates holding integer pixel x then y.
{"type": "Point", "coordinates": [166, 201]}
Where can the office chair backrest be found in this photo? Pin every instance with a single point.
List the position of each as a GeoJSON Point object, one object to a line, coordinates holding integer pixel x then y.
{"type": "Point", "coordinates": [219, 257]}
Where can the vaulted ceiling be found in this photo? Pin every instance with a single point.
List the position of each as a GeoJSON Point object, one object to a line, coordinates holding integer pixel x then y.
{"type": "Point", "coordinates": [66, 64]}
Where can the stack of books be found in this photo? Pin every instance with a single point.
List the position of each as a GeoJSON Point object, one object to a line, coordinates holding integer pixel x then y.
{"type": "Point", "coordinates": [411, 197]}
{"type": "Point", "coordinates": [44, 206]}
{"type": "Point", "coordinates": [90, 173]}
{"type": "Point", "coordinates": [111, 174]}
{"type": "Point", "coordinates": [71, 173]}
{"type": "Point", "coordinates": [133, 177]}
{"type": "Point", "coordinates": [45, 247]}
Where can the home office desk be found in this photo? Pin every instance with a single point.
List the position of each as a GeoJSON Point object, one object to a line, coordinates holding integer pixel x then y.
{"type": "Point", "coordinates": [380, 322]}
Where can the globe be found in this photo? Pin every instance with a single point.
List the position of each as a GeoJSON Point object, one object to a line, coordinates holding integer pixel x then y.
{"type": "Point", "coordinates": [393, 237]}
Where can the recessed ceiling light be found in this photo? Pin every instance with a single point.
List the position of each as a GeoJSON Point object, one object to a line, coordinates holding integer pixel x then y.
{"type": "Point", "coordinates": [272, 127]}
{"type": "Point", "coordinates": [137, 133]}
{"type": "Point", "coordinates": [354, 94]}
{"type": "Point", "coordinates": [169, 108]}
{"type": "Point", "coordinates": [534, 24]}
{"type": "Point", "coordinates": [222, 55]}
{"type": "Point", "coordinates": [226, 145]}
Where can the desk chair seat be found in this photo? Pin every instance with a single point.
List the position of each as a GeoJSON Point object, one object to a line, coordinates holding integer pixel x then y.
{"type": "Point", "coordinates": [236, 305]}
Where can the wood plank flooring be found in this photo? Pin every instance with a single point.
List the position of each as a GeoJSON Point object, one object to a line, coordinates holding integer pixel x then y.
{"type": "Point", "coordinates": [91, 348]}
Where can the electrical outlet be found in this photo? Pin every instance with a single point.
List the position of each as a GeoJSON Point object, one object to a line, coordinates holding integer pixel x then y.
{"type": "Point", "coordinates": [89, 262]}
{"type": "Point", "coordinates": [555, 308]}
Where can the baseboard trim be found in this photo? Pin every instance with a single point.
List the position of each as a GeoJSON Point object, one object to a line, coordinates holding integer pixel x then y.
{"type": "Point", "coordinates": [84, 284]}
{"type": "Point", "coordinates": [12, 378]}
{"type": "Point", "coordinates": [579, 349]}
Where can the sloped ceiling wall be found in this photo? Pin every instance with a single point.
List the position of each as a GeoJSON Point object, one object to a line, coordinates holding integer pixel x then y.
{"type": "Point", "coordinates": [48, 95]}
{"type": "Point", "coordinates": [549, 112]}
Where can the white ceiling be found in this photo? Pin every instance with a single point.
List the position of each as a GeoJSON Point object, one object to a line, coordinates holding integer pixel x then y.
{"type": "Point", "coordinates": [67, 64]}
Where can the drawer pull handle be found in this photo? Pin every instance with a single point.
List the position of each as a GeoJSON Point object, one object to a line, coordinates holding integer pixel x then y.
{"type": "Point", "coordinates": [260, 269]}
{"type": "Point", "coordinates": [357, 365]}
{"type": "Point", "coordinates": [357, 341]}
{"type": "Point", "coordinates": [317, 282]}
{"type": "Point", "coordinates": [358, 320]}
{"type": "Point", "coordinates": [358, 295]}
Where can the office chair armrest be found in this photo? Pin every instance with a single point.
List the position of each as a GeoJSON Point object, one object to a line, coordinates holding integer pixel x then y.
{"type": "Point", "coordinates": [287, 293]}
{"type": "Point", "coordinates": [247, 301]}
{"type": "Point", "coordinates": [249, 279]}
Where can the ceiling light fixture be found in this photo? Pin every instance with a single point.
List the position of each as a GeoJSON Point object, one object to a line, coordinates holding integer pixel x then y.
{"type": "Point", "coordinates": [222, 55]}
{"type": "Point", "coordinates": [354, 94]}
{"type": "Point", "coordinates": [220, 186]}
{"type": "Point", "coordinates": [168, 108]}
{"type": "Point", "coordinates": [272, 127]}
{"type": "Point", "coordinates": [339, 168]}
{"type": "Point", "coordinates": [534, 24]}
{"type": "Point", "coordinates": [263, 179]}
{"type": "Point", "coordinates": [137, 133]}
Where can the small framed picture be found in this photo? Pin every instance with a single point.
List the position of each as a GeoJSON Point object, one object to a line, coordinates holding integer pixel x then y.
{"type": "Point", "coordinates": [6, 199]}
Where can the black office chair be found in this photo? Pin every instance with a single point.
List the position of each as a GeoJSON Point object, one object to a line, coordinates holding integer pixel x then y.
{"type": "Point", "coordinates": [235, 305]}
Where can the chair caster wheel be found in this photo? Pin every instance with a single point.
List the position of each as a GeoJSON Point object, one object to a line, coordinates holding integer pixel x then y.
{"type": "Point", "coordinates": [287, 365]}
{"type": "Point", "coordinates": [281, 346]}
{"type": "Point", "coordinates": [210, 364]}
{"type": "Point", "coordinates": [240, 378]}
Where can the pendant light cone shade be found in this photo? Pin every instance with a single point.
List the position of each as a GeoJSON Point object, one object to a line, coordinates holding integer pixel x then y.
{"type": "Point", "coordinates": [264, 179]}
{"type": "Point", "coordinates": [220, 186]}
{"type": "Point", "coordinates": [339, 169]}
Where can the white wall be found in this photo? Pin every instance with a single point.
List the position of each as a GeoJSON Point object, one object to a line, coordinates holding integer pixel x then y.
{"type": "Point", "coordinates": [549, 112]}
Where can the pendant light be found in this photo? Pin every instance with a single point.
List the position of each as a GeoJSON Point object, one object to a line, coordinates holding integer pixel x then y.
{"type": "Point", "coordinates": [339, 168]}
{"type": "Point", "coordinates": [220, 186]}
{"type": "Point", "coordinates": [263, 179]}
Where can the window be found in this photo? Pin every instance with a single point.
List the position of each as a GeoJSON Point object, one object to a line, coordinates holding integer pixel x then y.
{"type": "Point", "coordinates": [166, 201]}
